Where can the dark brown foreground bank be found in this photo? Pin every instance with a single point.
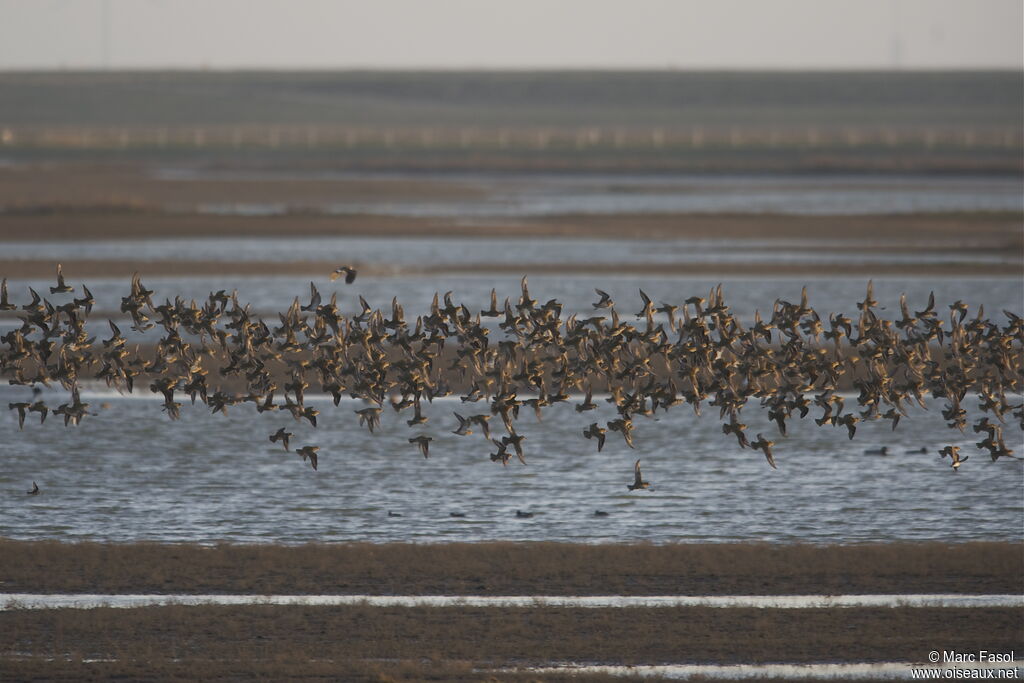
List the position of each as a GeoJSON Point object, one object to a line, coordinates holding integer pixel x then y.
{"type": "Point", "coordinates": [512, 568]}
{"type": "Point", "coordinates": [459, 643]}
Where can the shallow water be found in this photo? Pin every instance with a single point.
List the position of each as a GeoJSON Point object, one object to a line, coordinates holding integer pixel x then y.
{"type": "Point", "coordinates": [130, 474]}
{"type": "Point", "coordinates": [512, 195]}
{"type": "Point", "coordinates": [9, 601]}
{"type": "Point", "coordinates": [438, 252]}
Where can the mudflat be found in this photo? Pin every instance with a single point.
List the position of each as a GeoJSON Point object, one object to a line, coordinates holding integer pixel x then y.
{"type": "Point", "coordinates": [362, 642]}
{"type": "Point", "coordinates": [458, 643]}
{"type": "Point", "coordinates": [512, 568]}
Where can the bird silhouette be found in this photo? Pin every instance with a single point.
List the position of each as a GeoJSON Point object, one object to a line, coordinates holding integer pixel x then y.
{"type": "Point", "coordinates": [348, 271]}
{"type": "Point", "coordinates": [638, 480]}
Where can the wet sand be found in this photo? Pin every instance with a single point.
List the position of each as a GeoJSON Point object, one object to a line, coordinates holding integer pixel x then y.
{"type": "Point", "coordinates": [360, 642]}
{"type": "Point", "coordinates": [966, 237]}
{"type": "Point", "coordinates": [978, 230]}
{"type": "Point", "coordinates": [65, 201]}
{"type": "Point", "coordinates": [512, 568]}
{"type": "Point", "coordinates": [367, 643]}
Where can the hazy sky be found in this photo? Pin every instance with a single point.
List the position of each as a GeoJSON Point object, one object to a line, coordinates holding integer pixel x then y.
{"type": "Point", "coordinates": [686, 34]}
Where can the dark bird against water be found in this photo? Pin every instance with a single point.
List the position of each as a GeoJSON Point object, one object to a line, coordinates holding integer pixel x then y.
{"type": "Point", "coordinates": [308, 453]}
{"type": "Point", "coordinates": [954, 455]}
{"type": "Point", "coordinates": [282, 436]}
{"type": "Point", "coordinates": [638, 480]}
{"type": "Point", "coordinates": [348, 271]}
{"type": "Point", "coordinates": [423, 441]}
{"type": "Point", "coordinates": [766, 447]}
{"type": "Point", "coordinates": [595, 432]}
{"type": "Point", "coordinates": [61, 287]}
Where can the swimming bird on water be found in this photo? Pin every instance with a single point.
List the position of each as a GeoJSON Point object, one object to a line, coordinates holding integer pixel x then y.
{"type": "Point", "coordinates": [34, 491]}
{"type": "Point", "coordinates": [523, 515]}
{"type": "Point", "coordinates": [348, 271]}
{"type": "Point", "coordinates": [884, 450]}
{"type": "Point", "coordinates": [600, 513]}
{"type": "Point", "coordinates": [638, 480]}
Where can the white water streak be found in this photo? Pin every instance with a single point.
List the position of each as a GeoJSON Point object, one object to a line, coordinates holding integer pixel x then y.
{"type": "Point", "coordinates": [10, 601]}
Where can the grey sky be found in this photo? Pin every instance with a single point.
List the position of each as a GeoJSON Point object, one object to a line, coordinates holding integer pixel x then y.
{"type": "Point", "coordinates": [686, 34]}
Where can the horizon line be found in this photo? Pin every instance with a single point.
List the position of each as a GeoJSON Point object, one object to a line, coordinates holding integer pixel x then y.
{"type": "Point", "coordinates": [94, 69]}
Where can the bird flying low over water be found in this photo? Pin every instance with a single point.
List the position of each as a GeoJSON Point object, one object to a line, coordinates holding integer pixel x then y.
{"type": "Point", "coordinates": [464, 424]}
{"type": "Point", "coordinates": [282, 436]}
{"type": "Point", "coordinates": [638, 480]}
{"type": "Point", "coordinates": [21, 408]}
{"type": "Point", "coordinates": [423, 441]}
{"type": "Point", "coordinates": [766, 446]}
{"type": "Point", "coordinates": [605, 301]}
{"type": "Point", "coordinates": [698, 353]}
{"type": "Point", "coordinates": [5, 304]}
{"type": "Point", "coordinates": [595, 432]}
{"type": "Point", "coordinates": [34, 491]}
{"type": "Point", "coordinates": [308, 453]}
{"type": "Point", "coordinates": [348, 271]}
{"type": "Point", "coordinates": [954, 454]}
{"type": "Point", "coordinates": [61, 287]}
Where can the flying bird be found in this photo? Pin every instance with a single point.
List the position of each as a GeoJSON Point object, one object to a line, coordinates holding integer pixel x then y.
{"type": "Point", "coordinates": [61, 287]}
{"type": "Point", "coordinates": [282, 436]}
{"type": "Point", "coordinates": [638, 480]}
{"type": "Point", "coordinates": [595, 432]}
{"type": "Point", "coordinates": [308, 452]}
{"type": "Point", "coordinates": [423, 441]}
{"type": "Point", "coordinates": [348, 271]}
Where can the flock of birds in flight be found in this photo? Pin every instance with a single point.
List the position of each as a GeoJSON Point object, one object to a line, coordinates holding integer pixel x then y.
{"type": "Point", "coordinates": [790, 363]}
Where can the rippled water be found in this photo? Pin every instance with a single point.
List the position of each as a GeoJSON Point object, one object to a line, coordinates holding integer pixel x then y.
{"type": "Point", "coordinates": [130, 474]}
